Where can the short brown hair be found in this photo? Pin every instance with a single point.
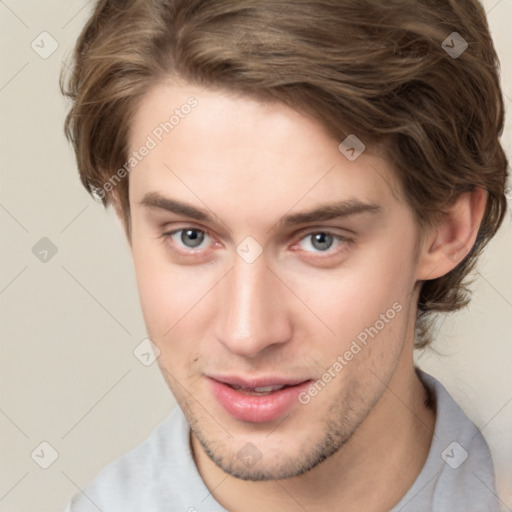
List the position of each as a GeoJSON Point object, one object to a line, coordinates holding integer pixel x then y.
{"type": "Point", "coordinates": [380, 70]}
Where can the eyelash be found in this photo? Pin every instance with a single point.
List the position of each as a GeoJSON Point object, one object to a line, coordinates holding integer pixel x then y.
{"type": "Point", "coordinates": [193, 253]}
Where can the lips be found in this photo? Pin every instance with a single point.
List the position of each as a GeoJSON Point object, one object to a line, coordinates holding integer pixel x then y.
{"type": "Point", "coordinates": [258, 391]}
{"type": "Point", "coordinates": [257, 400]}
{"type": "Point", "coordinates": [256, 382]}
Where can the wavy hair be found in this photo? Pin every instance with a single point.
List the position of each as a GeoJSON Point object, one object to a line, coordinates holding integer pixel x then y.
{"type": "Point", "coordinates": [379, 69]}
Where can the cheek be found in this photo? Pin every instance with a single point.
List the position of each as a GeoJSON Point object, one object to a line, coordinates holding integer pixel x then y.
{"type": "Point", "coordinates": [352, 297]}
{"type": "Point", "coordinates": [169, 294]}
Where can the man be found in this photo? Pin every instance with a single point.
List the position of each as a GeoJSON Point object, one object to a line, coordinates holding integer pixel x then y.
{"type": "Point", "coordinates": [302, 184]}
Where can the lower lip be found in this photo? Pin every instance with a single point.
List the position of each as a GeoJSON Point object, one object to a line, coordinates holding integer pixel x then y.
{"type": "Point", "coordinates": [256, 409]}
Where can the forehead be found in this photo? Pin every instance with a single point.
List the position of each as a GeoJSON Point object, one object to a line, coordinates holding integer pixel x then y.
{"type": "Point", "coordinates": [245, 155]}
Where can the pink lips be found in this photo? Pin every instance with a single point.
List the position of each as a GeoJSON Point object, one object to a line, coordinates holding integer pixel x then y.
{"type": "Point", "coordinates": [256, 408]}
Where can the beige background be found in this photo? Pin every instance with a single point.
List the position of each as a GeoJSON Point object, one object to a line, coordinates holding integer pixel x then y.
{"type": "Point", "coordinates": [69, 326]}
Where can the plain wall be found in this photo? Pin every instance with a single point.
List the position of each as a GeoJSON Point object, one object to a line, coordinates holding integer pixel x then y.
{"type": "Point", "coordinates": [69, 326]}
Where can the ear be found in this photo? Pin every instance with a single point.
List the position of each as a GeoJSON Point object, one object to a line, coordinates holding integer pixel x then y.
{"type": "Point", "coordinates": [447, 244]}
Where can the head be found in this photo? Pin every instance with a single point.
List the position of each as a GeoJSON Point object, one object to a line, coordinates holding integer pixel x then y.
{"type": "Point", "coordinates": [292, 192]}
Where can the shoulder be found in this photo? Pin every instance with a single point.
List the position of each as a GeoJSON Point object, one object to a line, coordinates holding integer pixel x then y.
{"type": "Point", "coordinates": [159, 472]}
{"type": "Point", "coordinates": [458, 473]}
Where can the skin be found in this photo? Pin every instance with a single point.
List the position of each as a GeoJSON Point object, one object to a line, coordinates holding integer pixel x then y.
{"type": "Point", "coordinates": [293, 310]}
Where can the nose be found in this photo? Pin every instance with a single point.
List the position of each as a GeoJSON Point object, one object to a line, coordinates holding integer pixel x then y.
{"type": "Point", "coordinates": [253, 309]}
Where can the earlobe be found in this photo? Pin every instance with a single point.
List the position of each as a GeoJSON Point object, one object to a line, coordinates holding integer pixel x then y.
{"type": "Point", "coordinates": [454, 236]}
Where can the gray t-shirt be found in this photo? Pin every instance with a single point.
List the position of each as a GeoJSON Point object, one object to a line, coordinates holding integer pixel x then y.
{"type": "Point", "coordinates": [160, 475]}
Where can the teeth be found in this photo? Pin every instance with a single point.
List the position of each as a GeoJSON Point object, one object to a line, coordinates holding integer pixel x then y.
{"type": "Point", "coordinates": [264, 389]}
{"type": "Point", "coordinates": [268, 388]}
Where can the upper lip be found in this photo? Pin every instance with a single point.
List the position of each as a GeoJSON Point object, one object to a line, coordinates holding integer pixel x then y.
{"type": "Point", "coordinates": [257, 382]}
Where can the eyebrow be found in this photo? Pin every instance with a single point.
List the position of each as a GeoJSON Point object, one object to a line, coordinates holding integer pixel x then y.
{"type": "Point", "coordinates": [321, 213]}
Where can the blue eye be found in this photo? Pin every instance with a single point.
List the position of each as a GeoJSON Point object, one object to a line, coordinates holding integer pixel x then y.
{"type": "Point", "coordinates": [195, 242]}
{"type": "Point", "coordinates": [191, 238]}
{"type": "Point", "coordinates": [321, 241]}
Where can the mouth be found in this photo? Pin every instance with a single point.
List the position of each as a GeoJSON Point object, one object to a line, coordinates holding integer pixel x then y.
{"type": "Point", "coordinates": [258, 391]}
{"type": "Point", "coordinates": [257, 400]}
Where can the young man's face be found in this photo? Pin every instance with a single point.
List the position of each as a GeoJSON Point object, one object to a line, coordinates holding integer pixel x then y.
{"type": "Point", "coordinates": [322, 291]}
